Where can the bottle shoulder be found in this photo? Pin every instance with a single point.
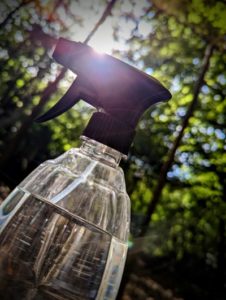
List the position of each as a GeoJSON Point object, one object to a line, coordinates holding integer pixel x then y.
{"type": "Point", "coordinates": [86, 187]}
{"type": "Point", "coordinates": [73, 164]}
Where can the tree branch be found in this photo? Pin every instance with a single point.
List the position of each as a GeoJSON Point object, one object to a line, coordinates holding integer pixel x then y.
{"type": "Point", "coordinates": [106, 13]}
{"type": "Point", "coordinates": [12, 13]}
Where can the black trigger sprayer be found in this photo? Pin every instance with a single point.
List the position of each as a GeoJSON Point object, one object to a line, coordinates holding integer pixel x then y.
{"type": "Point", "coordinates": [64, 230]}
{"type": "Point", "coordinates": [120, 91]}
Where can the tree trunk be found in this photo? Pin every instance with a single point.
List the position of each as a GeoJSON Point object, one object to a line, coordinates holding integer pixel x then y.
{"type": "Point", "coordinates": [170, 158]}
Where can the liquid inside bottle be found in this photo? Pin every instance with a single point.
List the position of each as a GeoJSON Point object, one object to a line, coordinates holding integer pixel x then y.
{"type": "Point", "coordinates": [50, 252]}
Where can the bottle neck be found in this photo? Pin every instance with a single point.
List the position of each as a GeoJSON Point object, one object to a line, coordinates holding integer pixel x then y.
{"type": "Point", "coordinates": [101, 152]}
{"type": "Point", "coordinates": [110, 131]}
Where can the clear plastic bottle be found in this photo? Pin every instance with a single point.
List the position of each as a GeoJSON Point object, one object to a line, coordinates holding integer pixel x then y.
{"type": "Point", "coordinates": [66, 228]}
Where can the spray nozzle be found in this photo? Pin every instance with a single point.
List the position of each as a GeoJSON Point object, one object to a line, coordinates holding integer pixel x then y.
{"type": "Point", "coordinates": [122, 93]}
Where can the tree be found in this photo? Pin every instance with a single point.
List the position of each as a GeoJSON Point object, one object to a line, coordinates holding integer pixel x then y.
{"type": "Point", "coordinates": [180, 142]}
{"type": "Point", "coordinates": [178, 37]}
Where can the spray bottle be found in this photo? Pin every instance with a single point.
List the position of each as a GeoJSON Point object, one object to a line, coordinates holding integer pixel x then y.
{"type": "Point", "coordinates": [65, 228]}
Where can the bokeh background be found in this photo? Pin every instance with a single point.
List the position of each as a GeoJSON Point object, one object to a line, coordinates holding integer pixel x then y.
{"type": "Point", "coordinates": [175, 171]}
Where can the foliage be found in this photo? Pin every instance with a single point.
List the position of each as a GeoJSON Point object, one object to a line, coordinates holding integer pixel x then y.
{"type": "Point", "coordinates": [188, 220]}
{"type": "Point", "coordinates": [167, 39]}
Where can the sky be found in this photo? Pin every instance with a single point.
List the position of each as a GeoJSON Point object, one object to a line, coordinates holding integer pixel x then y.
{"type": "Point", "coordinates": [103, 40]}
